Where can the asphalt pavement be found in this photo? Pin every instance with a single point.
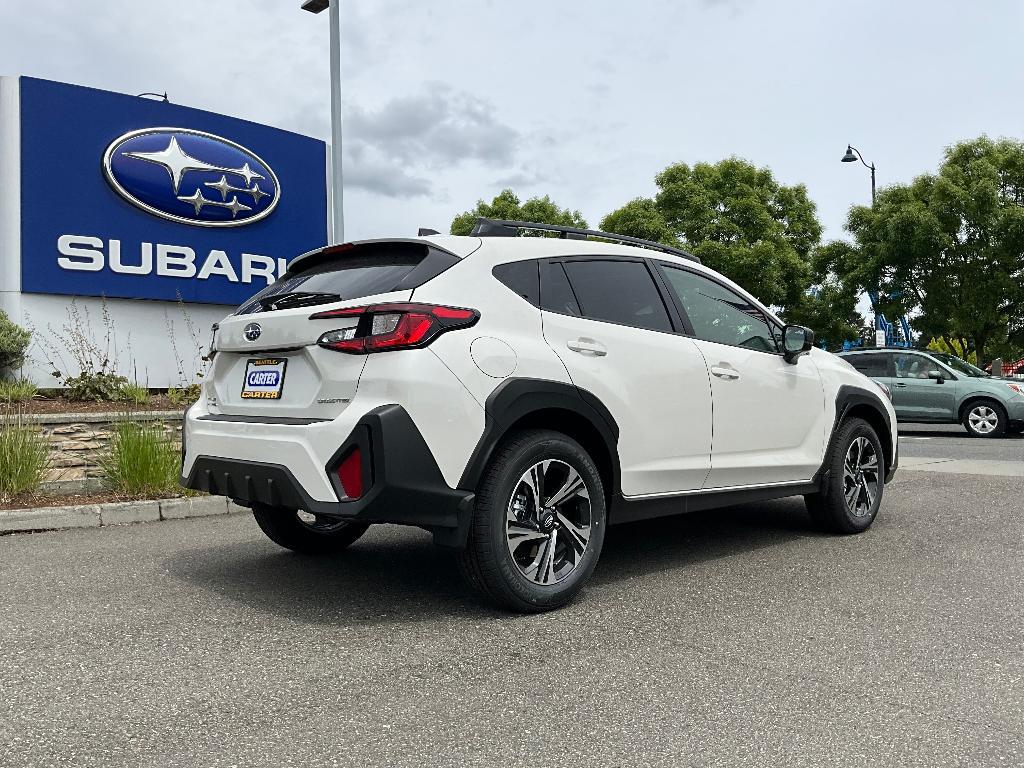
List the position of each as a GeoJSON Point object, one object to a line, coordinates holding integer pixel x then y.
{"type": "Point", "coordinates": [729, 638]}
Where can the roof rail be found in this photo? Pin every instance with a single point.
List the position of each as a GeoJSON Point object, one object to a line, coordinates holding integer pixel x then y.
{"type": "Point", "coordinates": [501, 228]}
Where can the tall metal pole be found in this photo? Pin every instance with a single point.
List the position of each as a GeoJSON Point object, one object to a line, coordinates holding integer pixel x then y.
{"type": "Point", "coordinates": [872, 185]}
{"type": "Point", "coordinates": [337, 175]}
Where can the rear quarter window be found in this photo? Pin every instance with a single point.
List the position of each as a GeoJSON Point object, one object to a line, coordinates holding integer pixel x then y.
{"type": "Point", "coordinates": [522, 277]}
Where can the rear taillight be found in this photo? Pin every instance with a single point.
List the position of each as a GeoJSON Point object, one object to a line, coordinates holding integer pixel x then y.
{"type": "Point", "coordinates": [350, 473]}
{"type": "Point", "coordinates": [385, 327]}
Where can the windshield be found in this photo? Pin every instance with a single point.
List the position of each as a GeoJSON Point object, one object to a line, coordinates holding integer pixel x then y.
{"type": "Point", "coordinates": [960, 366]}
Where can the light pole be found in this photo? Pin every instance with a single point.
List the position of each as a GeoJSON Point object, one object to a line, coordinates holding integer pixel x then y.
{"type": "Point", "coordinates": [337, 178]}
{"type": "Point", "coordinates": [853, 155]}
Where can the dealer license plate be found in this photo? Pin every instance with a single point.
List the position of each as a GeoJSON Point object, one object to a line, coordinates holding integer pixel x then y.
{"type": "Point", "coordinates": [264, 378]}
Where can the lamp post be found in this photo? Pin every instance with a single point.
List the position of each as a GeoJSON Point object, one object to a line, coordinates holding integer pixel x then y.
{"type": "Point", "coordinates": [853, 155]}
{"type": "Point", "coordinates": [337, 181]}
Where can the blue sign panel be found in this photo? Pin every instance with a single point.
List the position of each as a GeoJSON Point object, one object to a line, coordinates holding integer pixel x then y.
{"type": "Point", "coordinates": [130, 198]}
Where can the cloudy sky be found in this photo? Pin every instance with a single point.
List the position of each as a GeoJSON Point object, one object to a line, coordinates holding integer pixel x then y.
{"type": "Point", "coordinates": [450, 101]}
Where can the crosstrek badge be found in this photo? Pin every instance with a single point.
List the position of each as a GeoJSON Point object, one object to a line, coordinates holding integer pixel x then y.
{"type": "Point", "coordinates": [264, 378]}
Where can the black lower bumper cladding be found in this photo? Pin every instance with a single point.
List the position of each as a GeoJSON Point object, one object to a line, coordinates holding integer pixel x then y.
{"type": "Point", "coordinates": [402, 480]}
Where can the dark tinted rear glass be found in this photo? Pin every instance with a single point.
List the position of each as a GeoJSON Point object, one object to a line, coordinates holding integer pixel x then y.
{"type": "Point", "coordinates": [521, 277]}
{"type": "Point", "coordinates": [556, 294]}
{"type": "Point", "coordinates": [876, 366]}
{"type": "Point", "coordinates": [618, 292]}
{"type": "Point", "coordinates": [357, 272]}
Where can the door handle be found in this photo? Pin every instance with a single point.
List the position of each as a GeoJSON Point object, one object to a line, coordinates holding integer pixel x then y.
{"type": "Point", "coordinates": [899, 384]}
{"type": "Point", "coordinates": [587, 346]}
{"type": "Point", "coordinates": [729, 374]}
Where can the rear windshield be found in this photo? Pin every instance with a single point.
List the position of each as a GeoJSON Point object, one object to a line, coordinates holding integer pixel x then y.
{"type": "Point", "coordinates": [351, 274]}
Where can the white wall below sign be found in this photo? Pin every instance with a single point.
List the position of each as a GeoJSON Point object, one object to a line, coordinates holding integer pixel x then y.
{"type": "Point", "coordinates": [155, 343]}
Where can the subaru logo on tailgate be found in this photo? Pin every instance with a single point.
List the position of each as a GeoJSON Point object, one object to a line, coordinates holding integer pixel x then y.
{"type": "Point", "coordinates": [252, 331]}
{"type": "Point", "coordinates": [191, 177]}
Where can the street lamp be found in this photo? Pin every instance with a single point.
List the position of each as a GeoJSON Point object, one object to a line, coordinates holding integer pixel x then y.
{"type": "Point", "coordinates": [853, 155]}
{"type": "Point", "coordinates": [337, 184]}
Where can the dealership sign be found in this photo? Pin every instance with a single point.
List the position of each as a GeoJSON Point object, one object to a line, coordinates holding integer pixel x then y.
{"type": "Point", "coordinates": [129, 198]}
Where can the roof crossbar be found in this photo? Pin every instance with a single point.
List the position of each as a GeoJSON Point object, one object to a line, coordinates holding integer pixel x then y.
{"type": "Point", "coordinates": [501, 228]}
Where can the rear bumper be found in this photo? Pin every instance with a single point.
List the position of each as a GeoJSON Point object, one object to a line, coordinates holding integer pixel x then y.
{"type": "Point", "coordinates": [402, 480]}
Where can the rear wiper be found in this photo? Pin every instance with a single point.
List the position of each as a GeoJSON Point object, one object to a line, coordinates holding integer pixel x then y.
{"type": "Point", "coordinates": [297, 299]}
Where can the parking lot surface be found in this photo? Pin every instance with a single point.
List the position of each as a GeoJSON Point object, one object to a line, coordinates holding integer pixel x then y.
{"type": "Point", "coordinates": [728, 638]}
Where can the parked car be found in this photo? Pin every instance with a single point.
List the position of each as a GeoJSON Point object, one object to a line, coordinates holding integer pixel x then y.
{"type": "Point", "coordinates": [938, 388]}
{"type": "Point", "coordinates": [516, 395]}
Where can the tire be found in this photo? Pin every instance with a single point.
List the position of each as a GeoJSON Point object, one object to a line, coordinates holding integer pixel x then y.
{"type": "Point", "coordinates": [528, 557]}
{"type": "Point", "coordinates": [856, 446]}
{"type": "Point", "coordinates": [320, 536]}
{"type": "Point", "coordinates": [984, 418]}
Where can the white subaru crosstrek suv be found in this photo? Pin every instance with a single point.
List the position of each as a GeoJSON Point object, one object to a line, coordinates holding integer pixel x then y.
{"type": "Point", "coordinates": [517, 395]}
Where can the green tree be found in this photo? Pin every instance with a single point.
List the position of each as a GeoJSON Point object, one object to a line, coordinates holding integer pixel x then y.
{"type": "Point", "coordinates": [830, 306]}
{"type": "Point", "coordinates": [506, 205]}
{"type": "Point", "coordinates": [14, 342]}
{"type": "Point", "coordinates": [738, 219]}
{"type": "Point", "coordinates": [640, 217]}
{"type": "Point", "coordinates": [948, 246]}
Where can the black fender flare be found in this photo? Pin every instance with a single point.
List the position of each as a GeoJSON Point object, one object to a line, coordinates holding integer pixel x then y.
{"type": "Point", "coordinates": [849, 398]}
{"type": "Point", "coordinates": [516, 398]}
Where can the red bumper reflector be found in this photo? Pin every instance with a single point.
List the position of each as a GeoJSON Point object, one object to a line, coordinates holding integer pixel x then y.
{"type": "Point", "coordinates": [350, 472]}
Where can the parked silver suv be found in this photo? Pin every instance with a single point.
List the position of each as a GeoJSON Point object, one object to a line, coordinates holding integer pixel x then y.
{"type": "Point", "coordinates": [933, 387]}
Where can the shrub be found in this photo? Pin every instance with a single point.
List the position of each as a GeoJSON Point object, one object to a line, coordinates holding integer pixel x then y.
{"type": "Point", "coordinates": [133, 394]}
{"type": "Point", "coordinates": [184, 395]}
{"type": "Point", "coordinates": [141, 460]}
{"type": "Point", "coordinates": [90, 385]}
{"type": "Point", "coordinates": [19, 391]}
{"type": "Point", "coordinates": [24, 458]}
{"type": "Point", "coordinates": [13, 342]}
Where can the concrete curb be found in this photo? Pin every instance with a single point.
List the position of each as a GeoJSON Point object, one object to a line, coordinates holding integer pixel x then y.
{"type": "Point", "coordinates": [114, 513]}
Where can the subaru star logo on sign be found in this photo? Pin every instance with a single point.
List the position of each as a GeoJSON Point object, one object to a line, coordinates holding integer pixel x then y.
{"type": "Point", "coordinates": [191, 177]}
{"type": "Point", "coordinates": [129, 198]}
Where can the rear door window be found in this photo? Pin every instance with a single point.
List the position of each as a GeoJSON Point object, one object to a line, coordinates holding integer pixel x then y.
{"type": "Point", "coordinates": [875, 366]}
{"type": "Point", "coordinates": [618, 291]}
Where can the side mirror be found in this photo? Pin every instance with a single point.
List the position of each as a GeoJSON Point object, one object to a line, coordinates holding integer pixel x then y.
{"type": "Point", "coordinates": [937, 376]}
{"type": "Point", "coordinates": [796, 341]}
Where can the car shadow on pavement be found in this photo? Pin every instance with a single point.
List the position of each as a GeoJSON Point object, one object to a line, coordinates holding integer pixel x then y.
{"type": "Point", "coordinates": [396, 575]}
